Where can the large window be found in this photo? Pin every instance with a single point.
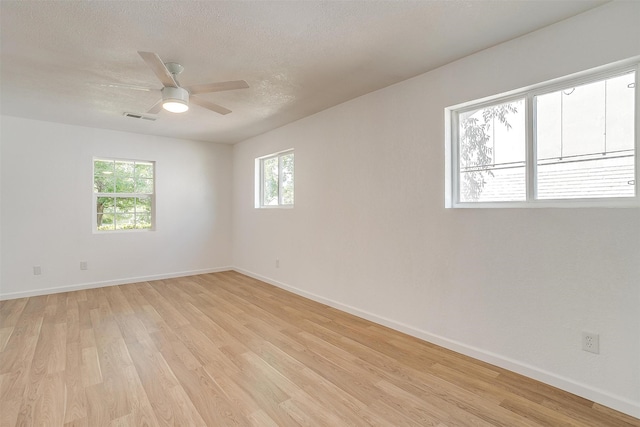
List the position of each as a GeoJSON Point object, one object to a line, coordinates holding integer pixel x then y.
{"type": "Point", "coordinates": [274, 180]}
{"type": "Point", "coordinates": [123, 192]}
{"type": "Point", "coordinates": [572, 142]}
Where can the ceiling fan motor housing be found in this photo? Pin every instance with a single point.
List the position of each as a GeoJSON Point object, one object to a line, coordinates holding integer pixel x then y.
{"type": "Point", "coordinates": [176, 94]}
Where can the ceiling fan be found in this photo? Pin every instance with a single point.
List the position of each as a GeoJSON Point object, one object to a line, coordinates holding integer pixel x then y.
{"type": "Point", "coordinates": [176, 98]}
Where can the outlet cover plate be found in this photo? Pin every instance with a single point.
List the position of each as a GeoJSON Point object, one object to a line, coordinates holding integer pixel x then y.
{"type": "Point", "coordinates": [591, 342]}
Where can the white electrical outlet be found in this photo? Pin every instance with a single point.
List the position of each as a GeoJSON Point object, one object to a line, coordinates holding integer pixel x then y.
{"type": "Point", "coordinates": [277, 263]}
{"type": "Point", "coordinates": [591, 342]}
{"type": "Point", "coordinates": [83, 265]}
{"type": "Point", "coordinates": [37, 270]}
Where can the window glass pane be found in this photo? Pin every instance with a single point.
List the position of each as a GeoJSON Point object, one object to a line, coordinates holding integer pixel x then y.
{"type": "Point", "coordinates": [492, 153]}
{"type": "Point", "coordinates": [103, 184]}
{"type": "Point", "coordinates": [103, 167]}
{"type": "Point", "coordinates": [287, 179]}
{"type": "Point", "coordinates": [144, 178]}
{"type": "Point", "coordinates": [144, 170]}
{"type": "Point", "coordinates": [585, 140]}
{"type": "Point", "coordinates": [144, 185]}
{"type": "Point", "coordinates": [104, 205]}
{"type": "Point", "coordinates": [143, 221]}
{"type": "Point", "coordinates": [124, 221]}
{"type": "Point", "coordinates": [103, 178]}
{"type": "Point", "coordinates": [124, 177]}
{"type": "Point", "coordinates": [270, 181]}
{"type": "Point", "coordinates": [125, 184]}
{"type": "Point", "coordinates": [125, 204]}
{"type": "Point", "coordinates": [107, 222]}
{"type": "Point", "coordinates": [143, 204]}
{"type": "Point", "coordinates": [124, 168]}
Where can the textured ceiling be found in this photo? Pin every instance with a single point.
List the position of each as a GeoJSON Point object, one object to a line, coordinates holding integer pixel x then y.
{"type": "Point", "coordinates": [299, 57]}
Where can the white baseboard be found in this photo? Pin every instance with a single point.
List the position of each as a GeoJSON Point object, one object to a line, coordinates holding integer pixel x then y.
{"type": "Point", "coordinates": [596, 395]}
{"type": "Point", "coordinates": [122, 281]}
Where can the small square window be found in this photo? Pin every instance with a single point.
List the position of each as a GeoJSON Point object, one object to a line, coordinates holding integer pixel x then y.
{"type": "Point", "coordinates": [274, 180]}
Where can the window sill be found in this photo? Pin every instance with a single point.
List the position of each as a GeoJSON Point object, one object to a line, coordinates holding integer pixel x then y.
{"type": "Point", "coordinates": [275, 207]}
{"type": "Point", "coordinates": [107, 232]}
{"type": "Point", "coordinates": [627, 202]}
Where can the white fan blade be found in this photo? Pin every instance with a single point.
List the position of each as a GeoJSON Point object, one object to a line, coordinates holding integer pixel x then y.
{"type": "Point", "coordinates": [156, 107]}
{"type": "Point", "coordinates": [158, 67]}
{"type": "Point", "coordinates": [217, 87]}
{"type": "Point", "coordinates": [209, 105]}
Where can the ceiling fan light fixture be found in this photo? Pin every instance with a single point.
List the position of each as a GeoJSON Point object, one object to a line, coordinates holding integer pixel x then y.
{"type": "Point", "coordinates": [175, 106]}
{"type": "Point", "coordinates": [175, 99]}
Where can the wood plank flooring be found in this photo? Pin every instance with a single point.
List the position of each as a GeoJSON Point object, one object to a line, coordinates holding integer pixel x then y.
{"type": "Point", "coordinates": [224, 349]}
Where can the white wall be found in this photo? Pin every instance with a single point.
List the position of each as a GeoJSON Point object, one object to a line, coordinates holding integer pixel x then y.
{"type": "Point", "coordinates": [369, 232]}
{"type": "Point", "coordinates": [47, 208]}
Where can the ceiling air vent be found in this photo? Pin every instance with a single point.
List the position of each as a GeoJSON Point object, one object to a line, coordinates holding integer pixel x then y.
{"type": "Point", "coordinates": [139, 116]}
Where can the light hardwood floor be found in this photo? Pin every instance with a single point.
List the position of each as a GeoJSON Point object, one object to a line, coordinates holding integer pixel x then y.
{"type": "Point", "coordinates": [224, 349]}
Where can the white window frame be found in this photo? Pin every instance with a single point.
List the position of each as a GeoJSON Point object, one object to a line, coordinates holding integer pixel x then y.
{"type": "Point", "coordinates": [259, 201]}
{"type": "Point", "coordinates": [529, 94]}
{"type": "Point", "coordinates": [95, 197]}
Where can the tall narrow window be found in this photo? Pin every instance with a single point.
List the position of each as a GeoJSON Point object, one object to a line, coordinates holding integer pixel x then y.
{"type": "Point", "coordinates": [275, 179]}
{"type": "Point", "coordinates": [123, 194]}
